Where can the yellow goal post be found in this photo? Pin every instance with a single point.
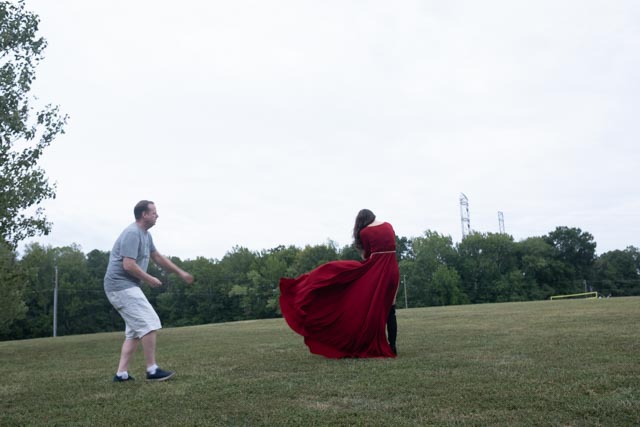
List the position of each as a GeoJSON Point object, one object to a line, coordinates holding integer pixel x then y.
{"type": "Point", "coordinates": [583, 295]}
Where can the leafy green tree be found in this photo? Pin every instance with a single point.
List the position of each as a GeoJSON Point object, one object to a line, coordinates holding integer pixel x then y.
{"type": "Point", "coordinates": [576, 250]}
{"type": "Point", "coordinates": [404, 248]}
{"type": "Point", "coordinates": [512, 286]}
{"type": "Point", "coordinates": [173, 300]}
{"type": "Point", "coordinates": [616, 273]}
{"type": "Point", "coordinates": [234, 280]}
{"type": "Point", "coordinates": [540, 270]}
{"type": "Point", "coordinates": [12, 305]}
{"type": "Point", "coordinates": [426, 255]}
{"type": "Point", "coordinates": [273, 265]}
{"type": "Point", "coordinates": [349, 252]}
{"type": "Point", "coordinates": [635, 253]}
{"type": "Point", "coordinates": [311, 257]}
{"type": "Point", "coordinates": [260, 295]}
{"type": "Point", "coordinates": [24, 132]}
{"type": "Point", "coordinates": [37, 263]}
{"type": "Point", "coordinates": [484, 261]}
{"type": "Point", "coordinates": [445, 287]}
{"type": "Point", "coordinates": [82, 305]}
{"type": "Point", "coordinates": [107, 318]}
{"type": "Point", "coordinates": [207, 298]}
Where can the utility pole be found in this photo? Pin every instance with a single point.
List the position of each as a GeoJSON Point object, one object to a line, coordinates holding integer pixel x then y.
{"type": "Point", "coordinates": [55, 303]}
{"type": "Point", "coordinates": [404, 284]}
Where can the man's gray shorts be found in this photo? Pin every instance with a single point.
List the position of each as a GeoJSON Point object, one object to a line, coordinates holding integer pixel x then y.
{"type": "Point", "coordinates": [137, 312]}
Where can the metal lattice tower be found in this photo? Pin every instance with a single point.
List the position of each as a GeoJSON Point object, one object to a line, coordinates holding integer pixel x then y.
{"type": "Point", "coordinates": [501, 222]}
{"type": "Point", "coordinates": [464, 215]}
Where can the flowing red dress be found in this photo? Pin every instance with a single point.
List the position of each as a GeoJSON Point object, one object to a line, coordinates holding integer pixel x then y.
{"type": "Point", "coordinates": [341, 308]}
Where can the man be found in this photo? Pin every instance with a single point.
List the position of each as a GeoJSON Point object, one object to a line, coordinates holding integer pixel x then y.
{"type": "Point", "coordinates": [127, 269]}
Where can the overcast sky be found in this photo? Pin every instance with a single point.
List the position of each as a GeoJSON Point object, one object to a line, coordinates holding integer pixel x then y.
{"type": "Point", "coordinates": [261, 123]}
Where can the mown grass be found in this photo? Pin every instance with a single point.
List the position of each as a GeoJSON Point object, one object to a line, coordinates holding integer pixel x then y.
{"type": "Point", "coordinates": [555, 363]}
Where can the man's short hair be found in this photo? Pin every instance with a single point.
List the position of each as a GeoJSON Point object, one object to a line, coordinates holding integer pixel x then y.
{"type": "Point", "coordinates": [141, 206]}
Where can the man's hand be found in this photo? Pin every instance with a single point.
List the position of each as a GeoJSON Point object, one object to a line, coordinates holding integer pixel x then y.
{"type": "Point", "coordinates": [186, 277]}
{"type": "Point", "coordinates": [154, 282]}
{"type": "Point", "coordinates": [166, 263]}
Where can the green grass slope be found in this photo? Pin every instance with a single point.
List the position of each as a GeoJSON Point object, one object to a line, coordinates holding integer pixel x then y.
{"type": "Point", "coordinates": [556, 363]}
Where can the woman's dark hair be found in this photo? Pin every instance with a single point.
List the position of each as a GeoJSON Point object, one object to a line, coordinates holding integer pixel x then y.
{"type": "Point", "coordinates": [141, 206]}
{"type": "Point", "coordinates": [364, 218]}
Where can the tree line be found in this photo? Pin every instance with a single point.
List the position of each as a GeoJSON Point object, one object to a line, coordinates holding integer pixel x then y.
{"type": "Point", "coordinates": [482, 268]}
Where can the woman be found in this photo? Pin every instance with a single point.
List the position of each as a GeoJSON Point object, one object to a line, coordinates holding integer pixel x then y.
{"type": "Point", "coordinates": [341, 307]}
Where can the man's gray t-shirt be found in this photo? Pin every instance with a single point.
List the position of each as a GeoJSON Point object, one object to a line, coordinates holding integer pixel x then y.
{"type": "Point", "coordinates": [133, 242]}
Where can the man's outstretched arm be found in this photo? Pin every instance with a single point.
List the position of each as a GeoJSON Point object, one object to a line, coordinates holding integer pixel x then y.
{"type": "Point", "coordinates": [167, 264]}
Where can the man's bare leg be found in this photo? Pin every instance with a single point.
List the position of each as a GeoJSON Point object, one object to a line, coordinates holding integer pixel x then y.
{"type": "Point", "coordinates": [128, 349]}
{"type": "Point", "coordinates": [149, 348]}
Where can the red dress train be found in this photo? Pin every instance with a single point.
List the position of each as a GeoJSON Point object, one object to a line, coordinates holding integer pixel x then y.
{"type": "Point", "coordinates": [341, 307]}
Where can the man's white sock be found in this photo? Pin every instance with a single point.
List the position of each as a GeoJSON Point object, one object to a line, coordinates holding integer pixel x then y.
{"type": "Point", "coordinates": [152, 369]}
{"type": "Point", "coordinates": [123, 374]}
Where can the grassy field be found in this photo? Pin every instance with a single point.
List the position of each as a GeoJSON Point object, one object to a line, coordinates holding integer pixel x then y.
{"type": "Point", "coordinates": [547, 363]}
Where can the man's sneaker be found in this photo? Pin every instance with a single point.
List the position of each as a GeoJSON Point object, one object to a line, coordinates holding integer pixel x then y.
{"type": "Point", "coordinates": [160, 375]}
{"type": "Point", "coordinates": [117, 379]}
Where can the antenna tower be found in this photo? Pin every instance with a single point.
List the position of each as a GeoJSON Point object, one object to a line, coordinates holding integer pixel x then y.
{"type": "Point", "coordinates": [501, 222]}
{"type": "Point", "coordinates": [464, 215]}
